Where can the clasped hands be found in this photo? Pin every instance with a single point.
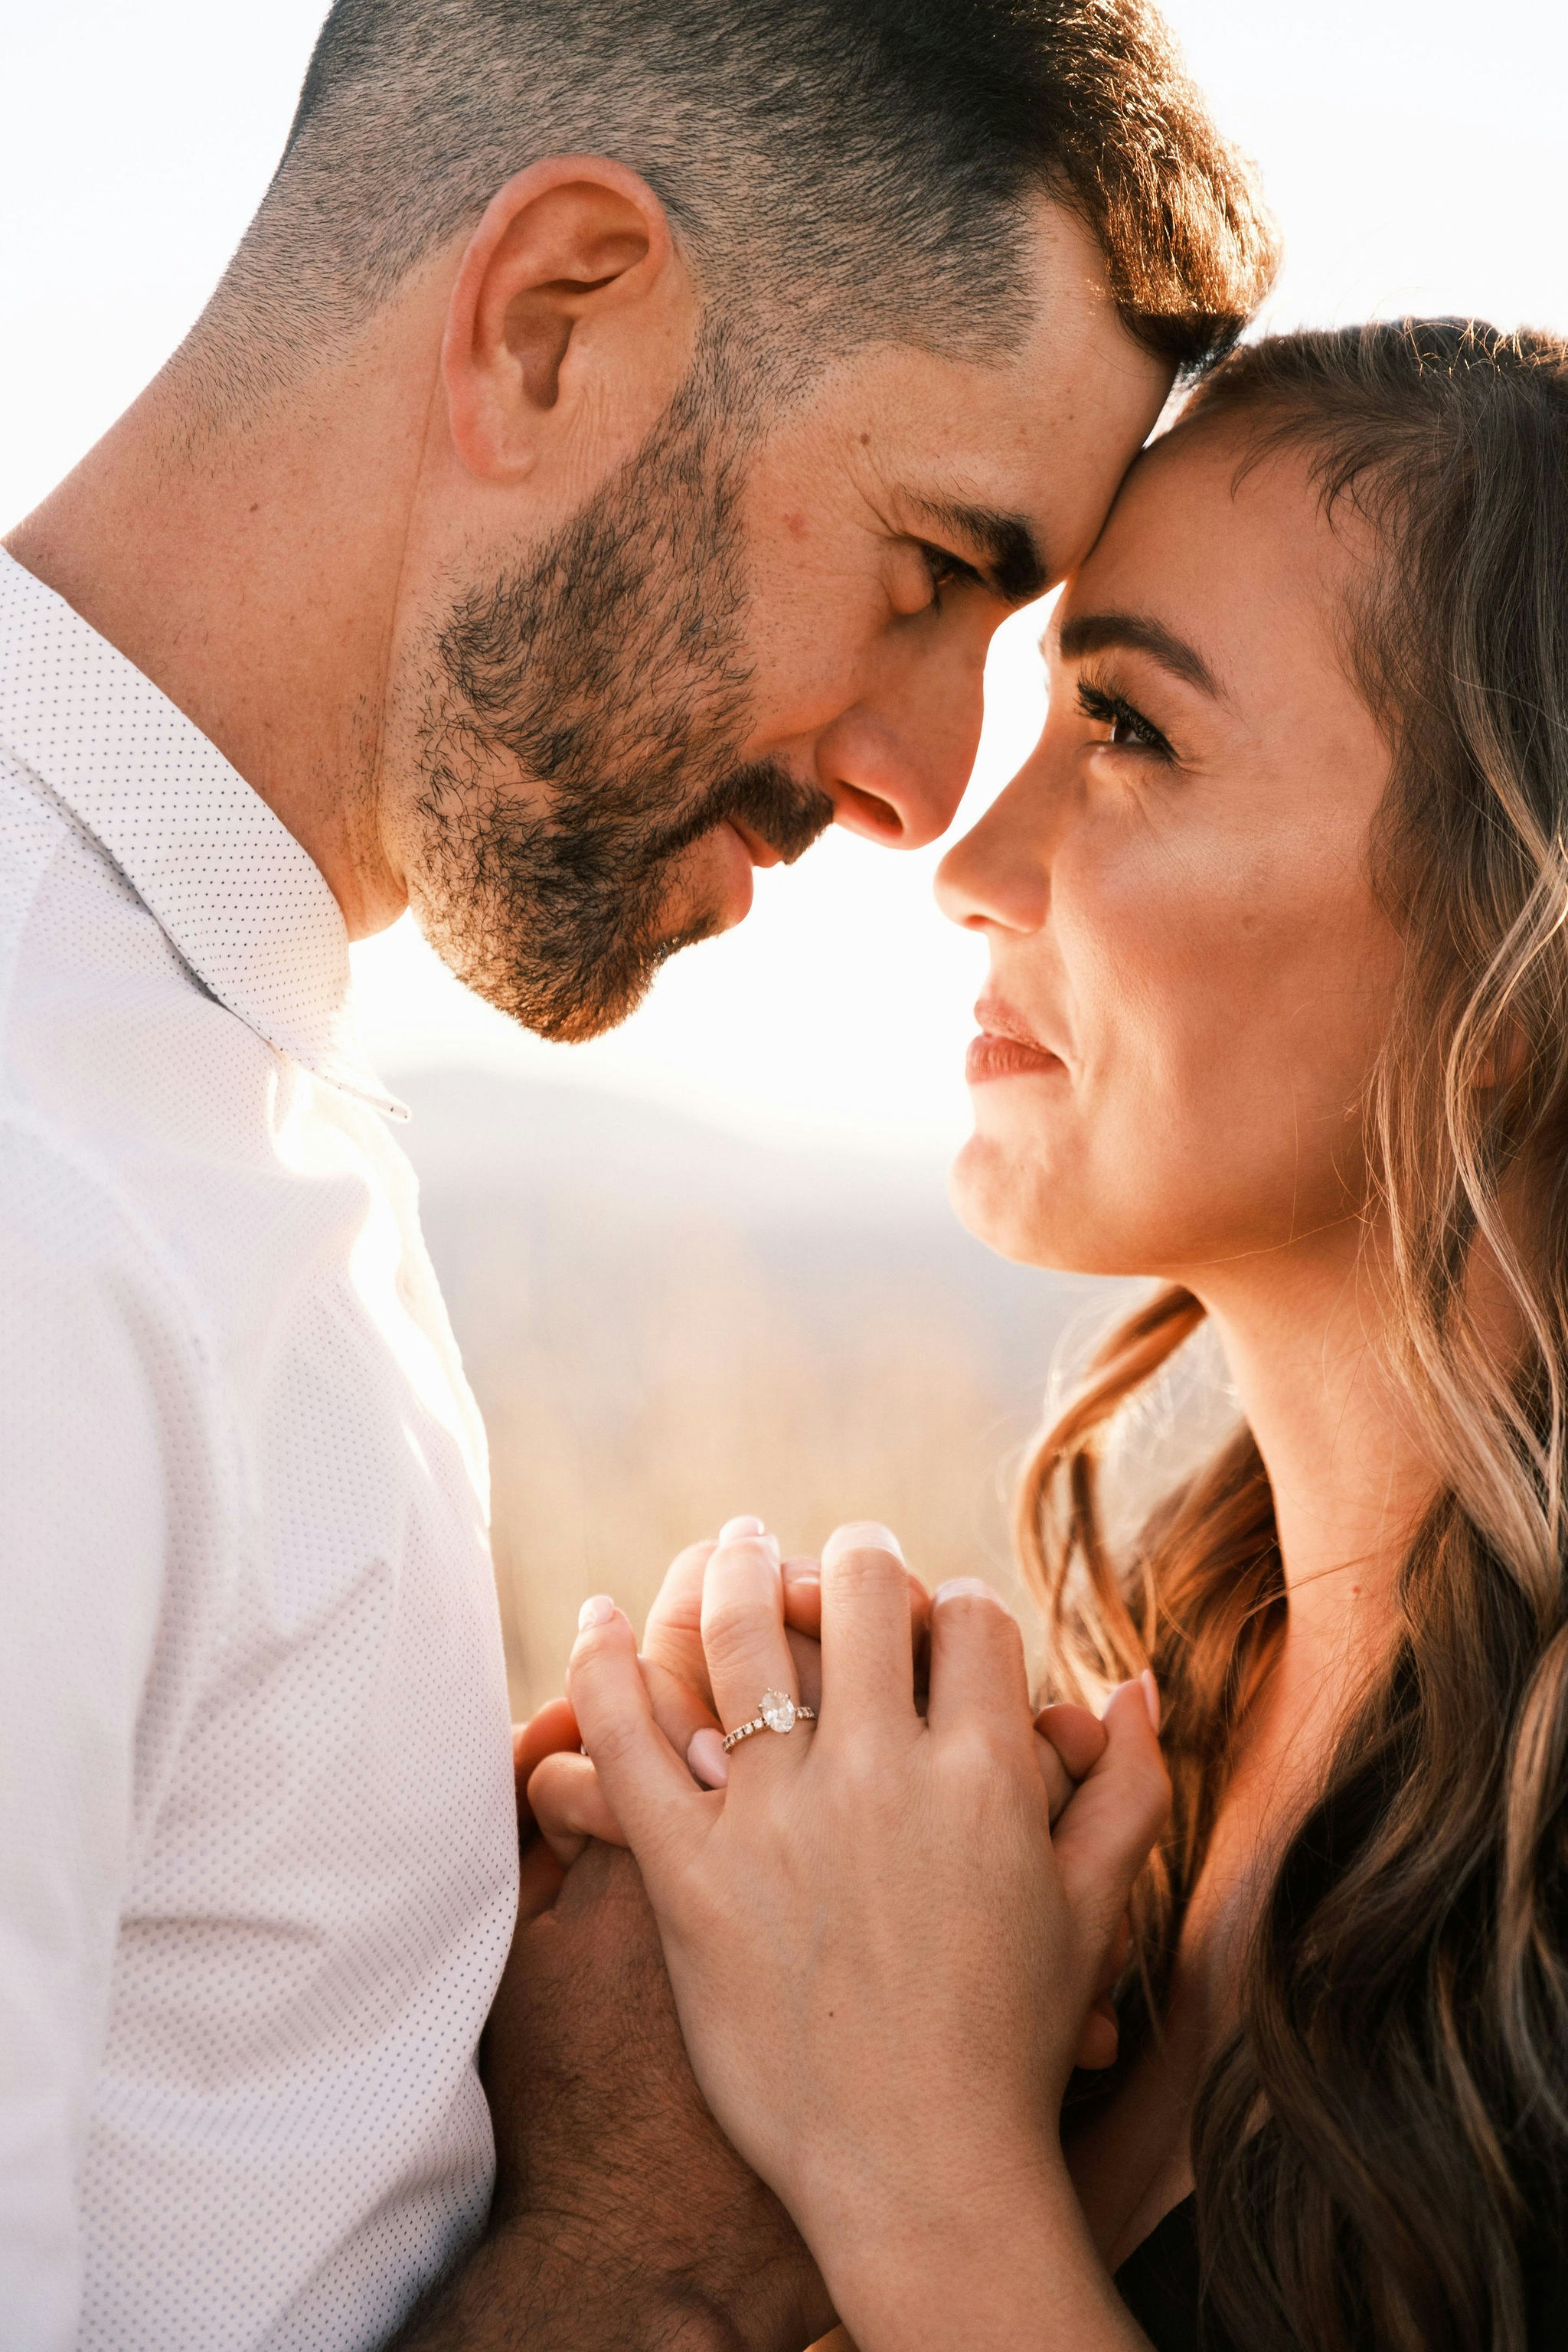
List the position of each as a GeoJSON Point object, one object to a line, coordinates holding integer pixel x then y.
{"type": "Point", "coordinates": [888, 1934]}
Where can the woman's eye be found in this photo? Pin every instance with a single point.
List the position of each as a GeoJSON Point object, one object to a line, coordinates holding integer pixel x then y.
{"type": "Point", "coordinates": [1129, 727]}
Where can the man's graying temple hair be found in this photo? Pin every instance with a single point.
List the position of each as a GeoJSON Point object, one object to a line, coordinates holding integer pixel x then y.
{"type": "Point", "coordinates": [844, 170]}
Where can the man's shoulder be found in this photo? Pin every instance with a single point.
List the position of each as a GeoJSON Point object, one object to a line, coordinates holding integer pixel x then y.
{"type": "Point", "coordinates": [69, 920]}
{"type": "Point", "coordinates": [114, 1058]}
{"type": "Point", "coordinates": [106, 1032]}
{"type": "Point", "coordinates": [32, 833]}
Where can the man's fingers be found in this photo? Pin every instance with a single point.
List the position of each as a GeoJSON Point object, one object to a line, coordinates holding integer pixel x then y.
{"type": "Point", "coordinates": [553, 1727]}
{"type": "Point", "coordinates": [566, 1798]}
{"type": "Point", "coordinates": [1100, 2039]}
{"type": "Point", "coordinates": [1077, 1734]}
{"type": "Point", "coordinates": [646, 1783]}
{"type": "Point", "coordinates": [1060, 1786]}
{"type": "Point", "coordinates": [540, 1879]}
{"type": "Point", "coordinates": [1069, 1743]}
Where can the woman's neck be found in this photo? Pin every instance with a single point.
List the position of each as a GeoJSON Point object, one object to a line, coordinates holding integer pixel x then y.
{"type": "Point", "coordinates": [1301, 1335]}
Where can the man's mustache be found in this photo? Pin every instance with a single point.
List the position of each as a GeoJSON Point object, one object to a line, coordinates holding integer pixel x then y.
{"type": "Point", "coordinates": [762, 797]}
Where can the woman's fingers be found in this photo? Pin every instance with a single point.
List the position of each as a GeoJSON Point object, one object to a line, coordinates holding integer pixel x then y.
{"type": "Point", "coordinates": [672, 1638]}
{"type": "Point", "coordinates": [646, 1784]}
{"type": "Point", "coordinates": [867, 1658]}
{"type": "Point", "coordinates": [685, 1720]}
{"type": "Point", "coordinates": [807, 1657]}
{"type": "Point", "coordinates": [1106, 1834]}
{"type": "Point", "coordinates": [803, 1597]}
{"type": "Point", "coordinates": [802, 1607]}
{"type": "Point", "coordinates": [744, 1629]}
{"type": "Point", "coordinates": [977, 1666]}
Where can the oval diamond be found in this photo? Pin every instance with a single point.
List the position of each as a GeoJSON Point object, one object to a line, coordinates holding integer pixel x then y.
{"type": "Point", "coordinates": [777, 1710]}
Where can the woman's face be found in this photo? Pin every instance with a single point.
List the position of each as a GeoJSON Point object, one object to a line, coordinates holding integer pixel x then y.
{"type": "Point", "coordinates": [1190, 976]}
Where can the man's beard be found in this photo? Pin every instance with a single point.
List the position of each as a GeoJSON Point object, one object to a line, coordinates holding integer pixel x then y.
{"type": "Point", "coordinates": [581, 732]}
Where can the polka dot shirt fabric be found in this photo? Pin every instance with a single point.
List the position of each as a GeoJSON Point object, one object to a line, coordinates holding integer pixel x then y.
{"type": "Point", "coordinates": [257, 1846]}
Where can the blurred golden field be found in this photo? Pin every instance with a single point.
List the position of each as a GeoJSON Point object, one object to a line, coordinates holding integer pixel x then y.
{"type": "Point", "coordinates": [665, 1326]}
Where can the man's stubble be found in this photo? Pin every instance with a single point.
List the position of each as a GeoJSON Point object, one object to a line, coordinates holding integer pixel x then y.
{"type": "Point", "coordinates": [582, 732]}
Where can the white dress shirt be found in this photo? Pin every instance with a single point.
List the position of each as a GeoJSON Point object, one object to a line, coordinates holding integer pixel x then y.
{"type": "Point", "coordinates": [258, 1847]}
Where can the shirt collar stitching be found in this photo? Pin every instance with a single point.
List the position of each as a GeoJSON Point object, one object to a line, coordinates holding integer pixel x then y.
{"type": "Point", "coordinates": [243, 903]}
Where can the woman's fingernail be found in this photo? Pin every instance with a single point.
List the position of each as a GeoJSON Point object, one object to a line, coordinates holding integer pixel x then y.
{"type": "Point", "coordinates": [964, 1588]}
{"type": "Point", "coordinates": [769, 1544]}
{"type": "Point", "coordinates": [597, 1612]}
{"type": "Point", "coordinates": [733, 1530]}
{"type": "Point", "coordinates": [1152, 1697]}
{"type": "Point", "coordinates": [803, 1571]}
{"type": "Point", "coordinates": [706, 1760]}
{"type": "Point", "coordinates": [861, 1535]}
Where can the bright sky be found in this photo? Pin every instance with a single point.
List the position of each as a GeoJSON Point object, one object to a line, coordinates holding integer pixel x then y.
{"type": "Point", "coordinates": [1414, 153]}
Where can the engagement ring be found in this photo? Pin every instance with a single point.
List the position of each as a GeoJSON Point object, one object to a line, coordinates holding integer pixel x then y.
{"type": "Point", "coordinates": [777, 1711]}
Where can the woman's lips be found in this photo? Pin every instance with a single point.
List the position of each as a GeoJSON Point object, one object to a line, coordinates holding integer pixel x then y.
{"type": "Point", "coordinates": [1005, 1048]}
{"type": "Point", "coordinates": [993, 1057]}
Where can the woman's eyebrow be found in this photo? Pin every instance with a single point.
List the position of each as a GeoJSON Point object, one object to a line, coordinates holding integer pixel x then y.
{"type": "Point", "coordinates": [1097, 633]}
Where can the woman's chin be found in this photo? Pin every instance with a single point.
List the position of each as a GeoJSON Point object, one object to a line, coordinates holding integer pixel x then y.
{"type": "Point", "coordinates": [1008, 1203]}
{"type": "Point", "coordinates": [1024, 1208]}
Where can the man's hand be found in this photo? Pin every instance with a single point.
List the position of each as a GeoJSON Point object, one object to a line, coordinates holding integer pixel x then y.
{"type": "Point", "coordinates": [602, 2134]}
{"type": "Point", "coordinates": [623, 2221]}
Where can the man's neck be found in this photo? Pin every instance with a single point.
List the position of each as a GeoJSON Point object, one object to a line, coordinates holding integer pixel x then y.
{"type": "Point", "coordinates": [252, 573]}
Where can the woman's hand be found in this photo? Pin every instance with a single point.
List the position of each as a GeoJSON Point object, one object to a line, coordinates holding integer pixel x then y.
{"type": "Point", "coordinates": [566, 1797]}
{"type": "Point", "coordinates": [880, 1956]}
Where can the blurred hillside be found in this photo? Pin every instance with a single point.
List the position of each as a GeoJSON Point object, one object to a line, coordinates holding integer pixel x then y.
{"type": "Point", "coordinates": [666, 1325]}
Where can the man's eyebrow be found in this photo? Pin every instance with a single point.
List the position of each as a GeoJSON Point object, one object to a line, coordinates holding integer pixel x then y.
{"type": "Point", "coordinates": [1012, 554]}
{"type": "Point", "coordinates": [1097, 633]}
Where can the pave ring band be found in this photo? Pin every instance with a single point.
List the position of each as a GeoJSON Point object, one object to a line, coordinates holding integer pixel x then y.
{"type": "Point", "coordinates": [777, 1711]}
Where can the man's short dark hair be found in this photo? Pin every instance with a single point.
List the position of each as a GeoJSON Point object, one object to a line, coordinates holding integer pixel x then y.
{"type": "Point", "coordinates": [853, 167]}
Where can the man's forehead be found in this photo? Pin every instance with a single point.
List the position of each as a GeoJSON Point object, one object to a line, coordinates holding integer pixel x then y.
{"type": "Point", "coordinates": [1034, 445]}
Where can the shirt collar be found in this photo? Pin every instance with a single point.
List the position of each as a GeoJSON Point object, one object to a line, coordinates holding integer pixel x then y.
{"type": "Point", "coordinates": [247, 908]}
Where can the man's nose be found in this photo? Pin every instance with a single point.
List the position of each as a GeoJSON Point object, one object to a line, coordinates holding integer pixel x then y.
{"type": "Point", "coordinates": [896, 767]}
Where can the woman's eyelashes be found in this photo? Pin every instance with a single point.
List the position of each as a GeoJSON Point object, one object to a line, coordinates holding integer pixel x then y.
{"type": "Point", "coordinates": [1130, 730]}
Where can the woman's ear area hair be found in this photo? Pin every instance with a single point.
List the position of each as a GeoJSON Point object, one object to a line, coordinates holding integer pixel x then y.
{"type": "Point", "coordinates": [571, 281]}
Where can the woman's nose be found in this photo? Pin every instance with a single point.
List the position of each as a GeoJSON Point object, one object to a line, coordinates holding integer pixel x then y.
{"type": "Point", "coordinates": [999, 873]}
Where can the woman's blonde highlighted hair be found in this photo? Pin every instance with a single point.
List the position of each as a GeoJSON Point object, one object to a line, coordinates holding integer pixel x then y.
{"type": "Point", "coordinates": [1403, 2031]}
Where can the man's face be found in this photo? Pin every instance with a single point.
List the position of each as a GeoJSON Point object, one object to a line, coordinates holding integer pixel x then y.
{"type": "Point", "coordinates": [744, 636]}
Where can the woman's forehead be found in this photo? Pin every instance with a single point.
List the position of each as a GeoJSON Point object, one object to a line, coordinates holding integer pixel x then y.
{"type": "Point", "coordinates": [1214, 539]}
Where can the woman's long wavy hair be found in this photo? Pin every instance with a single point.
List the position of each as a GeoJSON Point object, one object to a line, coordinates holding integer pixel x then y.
{"type": "Point", "coordinates": [1386, 2134]}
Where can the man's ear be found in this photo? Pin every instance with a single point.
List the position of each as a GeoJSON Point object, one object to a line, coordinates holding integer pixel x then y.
{"type": "Point", "coordinates": [570, 302]}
